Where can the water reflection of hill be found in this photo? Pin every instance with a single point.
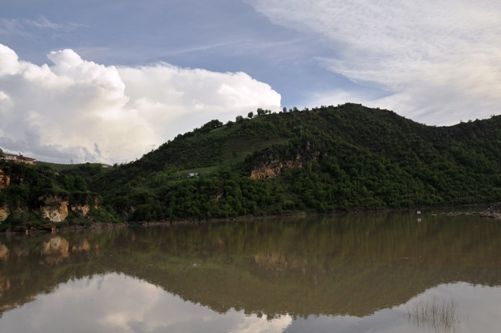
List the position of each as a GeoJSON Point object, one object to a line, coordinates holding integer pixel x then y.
{"type": "Point", "coordinates": [352, 265]}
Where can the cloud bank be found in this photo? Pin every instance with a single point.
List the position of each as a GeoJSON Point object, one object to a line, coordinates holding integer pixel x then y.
{"type": "Point", "coordinates": [437, 61]}
{"type": "Point", "coordinates": [73, 109]}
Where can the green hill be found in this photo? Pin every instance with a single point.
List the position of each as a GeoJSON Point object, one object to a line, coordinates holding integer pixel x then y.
{"type": "Point", "coordinates": [324, 159]}
{"type": "Point", "coordinates": [321, 160]}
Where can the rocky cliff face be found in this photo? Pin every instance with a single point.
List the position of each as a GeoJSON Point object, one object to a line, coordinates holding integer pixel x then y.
{"type": "Point", "coordinates": [54, 208]}
{"type": "Point", "coordinates": [272, 162]}
{"type": "Point", "coordinates": [4, 213]}
{"type": "Point", "coordinates": [81, 209]}
{"type": "Point", "coordinates": [4, 180]}
{"type": "Point", "coordinates": [274, 169]}
{"type": "Point", "coordinates": [83, 204]}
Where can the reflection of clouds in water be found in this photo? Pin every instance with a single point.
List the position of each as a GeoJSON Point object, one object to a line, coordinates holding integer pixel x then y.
{"type": "Point", "coordinates": [252, 324]}
{"type": "Point", "coordinates": [476, 309]}
{"type": "Point", "coordinates": [117, 303]}
{"type": "Point", "coordinates": [458, 307]}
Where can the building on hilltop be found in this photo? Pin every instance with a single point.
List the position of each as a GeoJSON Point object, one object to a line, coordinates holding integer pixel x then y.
{"type": "Point", "coordinates": [17, 158]}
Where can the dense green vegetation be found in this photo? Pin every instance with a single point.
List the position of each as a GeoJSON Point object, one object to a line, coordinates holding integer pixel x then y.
{"type": "Point", "coordinates": [324, 159]}
{"type": "Point", "coordinates": [30, 185]}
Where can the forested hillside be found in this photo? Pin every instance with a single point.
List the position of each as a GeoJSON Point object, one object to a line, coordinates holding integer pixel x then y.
{"type": "Point", "coordinates": [321, 160]}
{"type": "Point", "coordinates": [324, 159]}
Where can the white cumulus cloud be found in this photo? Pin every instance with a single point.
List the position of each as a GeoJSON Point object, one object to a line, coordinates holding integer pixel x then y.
{"type": "Point", "coordinates": [74, 109]}
{"type": "Point", "coordinates": [439, 61]}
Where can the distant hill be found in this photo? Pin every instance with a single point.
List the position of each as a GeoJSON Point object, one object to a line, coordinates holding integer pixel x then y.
{"type": "Point", "coordinates": [324, 159]}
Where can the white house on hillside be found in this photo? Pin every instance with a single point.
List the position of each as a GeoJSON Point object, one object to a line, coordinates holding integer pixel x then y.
{"type": "Point", "coordinates": [18, 158]}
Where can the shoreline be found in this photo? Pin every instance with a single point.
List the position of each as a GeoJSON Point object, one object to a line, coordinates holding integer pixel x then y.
{"type": "Point", "coordinates": [482, 210]}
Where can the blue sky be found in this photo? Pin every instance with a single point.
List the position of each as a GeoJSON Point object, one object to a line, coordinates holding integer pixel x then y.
{"type": "Point", "coordinates": [218, 35]}
{"type": "Point", "coordinates": [80, 80]}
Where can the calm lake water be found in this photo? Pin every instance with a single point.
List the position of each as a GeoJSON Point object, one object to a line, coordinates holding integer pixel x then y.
{"type": "Point", "coordinates": [378, 273]}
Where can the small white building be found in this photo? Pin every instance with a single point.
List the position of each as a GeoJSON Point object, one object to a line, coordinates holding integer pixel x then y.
{"type": "Point", "coordinates": [18, 159]}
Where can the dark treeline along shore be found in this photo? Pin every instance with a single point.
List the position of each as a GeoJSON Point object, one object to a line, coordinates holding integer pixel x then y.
{"type": "Point", "coordinates": [324, 159]}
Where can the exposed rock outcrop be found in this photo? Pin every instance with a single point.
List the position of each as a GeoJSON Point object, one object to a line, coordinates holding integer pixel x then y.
{"type": "Point", "coordinates": [4, 213]}
{"type": "Point", "coordinates": [272, 162]}
{"type": "Point", "coordinates": [274, 169]}
{"type": "Point", "coordinates": [82, 204]}
{"type": "Point", "coordinates": [4, 180]}
{"type": "Point", "coordinates": [54, 208]}
{"type": "Point", "coordinates": [81, 209]}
